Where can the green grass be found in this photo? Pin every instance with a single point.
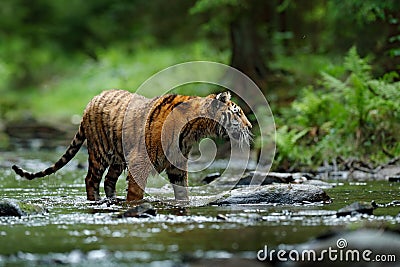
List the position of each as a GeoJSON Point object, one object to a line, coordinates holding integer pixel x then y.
{"type": "Point", "coordinates": [67, 93]}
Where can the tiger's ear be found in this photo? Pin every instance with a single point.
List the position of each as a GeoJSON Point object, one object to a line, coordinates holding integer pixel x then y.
{"type": "Point", "coordinates": [223, 97]}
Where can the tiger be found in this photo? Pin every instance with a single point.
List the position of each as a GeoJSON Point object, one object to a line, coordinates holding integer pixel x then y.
{"type": "Point", "coordinates": [125, 130]}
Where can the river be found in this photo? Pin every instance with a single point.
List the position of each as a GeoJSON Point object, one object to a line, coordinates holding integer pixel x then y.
{"type": "Point", "coordinates": [76, 232]}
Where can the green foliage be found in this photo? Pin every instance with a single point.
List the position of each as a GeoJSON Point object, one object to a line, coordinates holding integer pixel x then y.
{"type": "Point", "coordinates": [287, 143]}
{"type": "Point", "coordinates": [352, 115]}
{"type": "Point", "coordinates": [367, 17]}
{"type": "Point", "coordinates": [367, 11]}
{"type": "Point", "coordinates": [65, 95]}
{"type": "Point", "coordinates": [38, 38]}
{"type": "Point", "coordinates": [207, 5]}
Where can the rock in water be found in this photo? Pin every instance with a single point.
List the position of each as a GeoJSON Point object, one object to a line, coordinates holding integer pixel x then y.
{"type": "Point", "coordinates": [13, 207]}
{"type": "Point", "coordinates": [210, 177]}
{"type": "Point", "coordinates": [10, 207]}
{"type": "Point", "coordinates": [275, 193]}
{"type": "Point", "coordinates": [264, 178]}
{"type": "Point", "coordinates": [356, 208]}
{"type": "Point", "coordinates": [394, 178]}
{"type": "Point", "coordinates": [143, 210]}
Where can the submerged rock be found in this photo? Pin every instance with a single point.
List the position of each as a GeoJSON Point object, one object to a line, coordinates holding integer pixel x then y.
{"type": "Point", "coordinates": [356, 208]}
{"type": "Point", "coordinates": [276, 193]}
{"type": "Point", "coordinates": [211, 177]}
{"type": "Point", "coordinates": [264, 178]}
{"type": "Point", "coordinates": [222, 217]}
{"type": "Point", "coordinates": [143, 210]}
{"type": "Point", "coordinates": [257, 178]}
{"type": "Point", "coordinates": [14, 207]}
{"type": "Point", "coordinates": [394, 178]}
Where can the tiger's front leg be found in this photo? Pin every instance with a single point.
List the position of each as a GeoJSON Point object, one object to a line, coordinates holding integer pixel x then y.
{"type": "Point", "coordinates": [136, 187]}
{"type": "Point", "coordinates": [179, 181]}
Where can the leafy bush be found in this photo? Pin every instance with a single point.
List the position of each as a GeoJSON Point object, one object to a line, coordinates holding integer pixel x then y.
{"type": "Point", "coordinates": [350, 115]}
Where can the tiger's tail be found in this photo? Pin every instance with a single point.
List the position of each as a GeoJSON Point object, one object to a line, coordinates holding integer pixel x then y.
{"type": "Point", "coordinates": [73, 148]}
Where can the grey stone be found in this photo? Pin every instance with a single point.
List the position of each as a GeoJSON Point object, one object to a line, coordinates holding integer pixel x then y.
{"type": "Point", "coordinates": [356, 208]}
{"type": "Point", "coordinates": [17, 208]}
{"type": "Point", "coordinates": [264, 178]}
{"type": "Point", "coordinates": [275, 193]}
{"type": "Point", "coordinates": [394, 178]}
{"type": "Point", "coordinates": [210, 177]}
{"type": "Point", "coordinates": [143, 210]}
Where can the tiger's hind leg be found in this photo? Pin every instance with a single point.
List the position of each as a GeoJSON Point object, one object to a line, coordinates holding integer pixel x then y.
{"type": "Point", "coordinates": [93, 177]}
{"type": "Point", "coordinates": [111, 179]}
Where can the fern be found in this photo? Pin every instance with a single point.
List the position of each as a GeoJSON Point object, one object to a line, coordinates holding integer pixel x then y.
{"type": "Point", "coordinates": [356, 65]}
{"type": "Point", "coordinates": [353, 116]}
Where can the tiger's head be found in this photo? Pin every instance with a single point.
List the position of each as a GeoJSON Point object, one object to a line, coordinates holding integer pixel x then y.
{"type": "Point", "coordinates": [231, 119]}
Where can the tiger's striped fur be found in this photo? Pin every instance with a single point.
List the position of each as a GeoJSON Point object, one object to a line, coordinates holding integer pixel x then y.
{"type": "Point", "coordinates": [121, 128]}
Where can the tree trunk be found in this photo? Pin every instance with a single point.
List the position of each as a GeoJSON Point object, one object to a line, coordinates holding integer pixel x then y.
{"type": "Point", "coordinates": [246, 53]}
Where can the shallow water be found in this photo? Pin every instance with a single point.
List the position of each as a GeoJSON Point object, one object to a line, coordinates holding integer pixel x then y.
{"type": "Point", "coordinates": [76, 232]}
